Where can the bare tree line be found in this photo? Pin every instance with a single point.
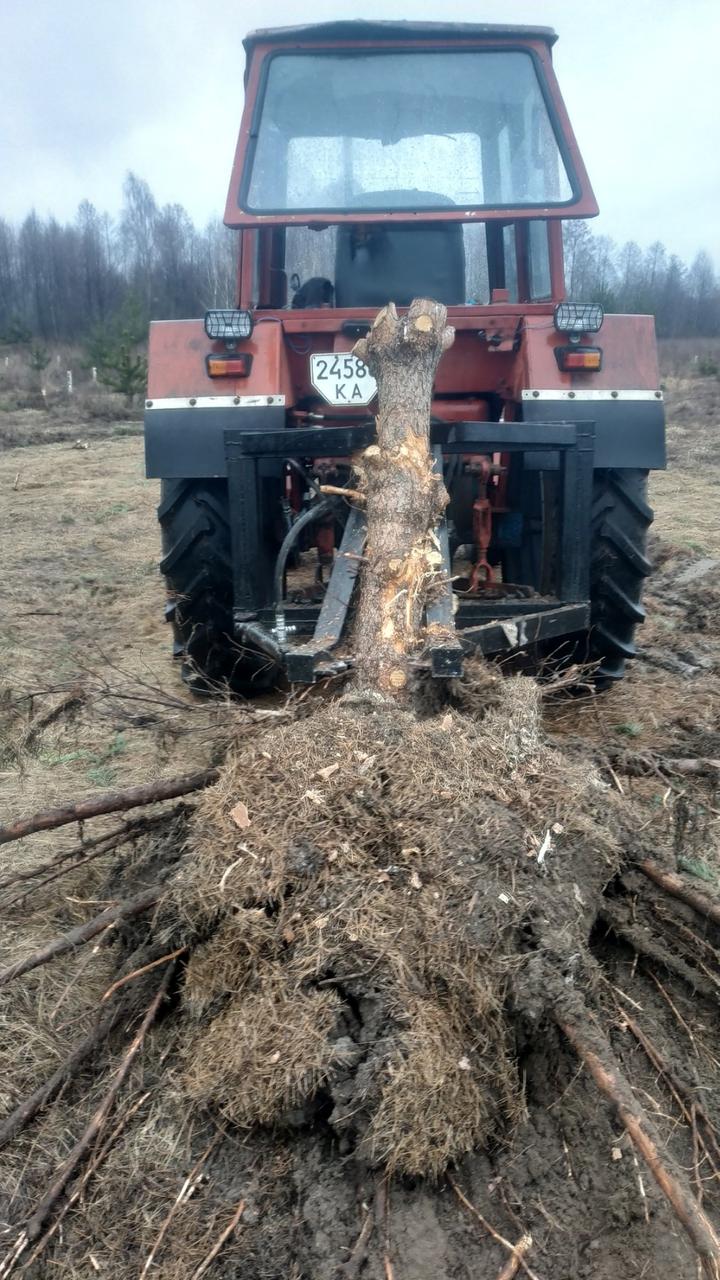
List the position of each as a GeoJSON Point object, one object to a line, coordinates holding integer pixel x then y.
{"type": "Point", "coordinates": [64, 282]}
{"type": "Point", "coordinates": [625, 278]}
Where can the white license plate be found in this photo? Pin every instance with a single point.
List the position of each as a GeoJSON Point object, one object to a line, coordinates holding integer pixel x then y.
{"type": "Point", "coordinates": [342, 378]}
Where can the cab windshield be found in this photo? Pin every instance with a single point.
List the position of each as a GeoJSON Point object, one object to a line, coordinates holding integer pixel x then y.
{"type": "Point", "coordinates": [416, 131]}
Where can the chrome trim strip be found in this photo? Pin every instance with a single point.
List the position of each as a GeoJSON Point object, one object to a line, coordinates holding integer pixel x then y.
{"type": "Point", "coordinates": [592, 395]}
{"type": "Point", "coordinates": [216, 402]}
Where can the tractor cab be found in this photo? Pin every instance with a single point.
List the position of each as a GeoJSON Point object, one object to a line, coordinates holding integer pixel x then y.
{"type": "Point", "coordinates": [397, 160]}
{"type": "Point", "coordinates": [379, 162]}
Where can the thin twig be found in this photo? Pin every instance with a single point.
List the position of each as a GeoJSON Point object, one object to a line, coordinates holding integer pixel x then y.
{"type": "Point", "coordinates": [224, 1235]}
{"type": "Point", "coordinates": [136, 973]}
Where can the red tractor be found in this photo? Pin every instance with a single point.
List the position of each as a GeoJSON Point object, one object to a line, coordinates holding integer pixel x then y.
{"type": "Point", "coordinates": [386, 161]}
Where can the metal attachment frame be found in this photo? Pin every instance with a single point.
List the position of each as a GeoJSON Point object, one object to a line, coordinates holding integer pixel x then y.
{"type": "Point", "coordinates": [491, 626]}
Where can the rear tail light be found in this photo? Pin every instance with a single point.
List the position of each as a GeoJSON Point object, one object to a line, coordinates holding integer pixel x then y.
{"type": "Point", "coordinates": [236, 365]}
{"type": "Point", "coordinates": [572, 358]}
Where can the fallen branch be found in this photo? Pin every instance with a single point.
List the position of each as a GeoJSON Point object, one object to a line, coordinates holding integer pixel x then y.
{"type": "Point", "coordinates": [593, 1048]}
{"type": "Point", "coordinates": [27, 1110]}
{"type": "Point", "coordinates": [224, 1235]}
{"type": "Point", "coordinates": [677, 888]}
{"type": "Point", "coordinates": [111, 802]}
{"type": "Point", "coordinates": [81, 934]}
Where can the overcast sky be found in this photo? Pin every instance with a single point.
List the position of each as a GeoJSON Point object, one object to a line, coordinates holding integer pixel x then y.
{"type": "Point", "coordinates": [92, 88]}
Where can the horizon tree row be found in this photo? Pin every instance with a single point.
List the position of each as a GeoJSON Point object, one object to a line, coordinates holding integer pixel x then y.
{"type": "Point", "coordinates": [68, 282]}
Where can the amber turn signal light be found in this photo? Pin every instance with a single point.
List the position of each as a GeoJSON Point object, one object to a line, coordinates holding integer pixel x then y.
{"type": "Point", "coordinates": [237, 365]}
{"type": "Point", "coordinates": [583, 359]}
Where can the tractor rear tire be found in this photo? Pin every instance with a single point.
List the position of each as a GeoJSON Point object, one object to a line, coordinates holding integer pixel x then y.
{"type": "Point", "coordinates": [618, 569]}
{"type": "Point", "coordinates": [197, 566]}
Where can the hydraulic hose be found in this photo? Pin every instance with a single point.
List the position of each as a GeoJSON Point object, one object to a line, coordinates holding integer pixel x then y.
{"type": "Point", "coordinates": [318, 509]}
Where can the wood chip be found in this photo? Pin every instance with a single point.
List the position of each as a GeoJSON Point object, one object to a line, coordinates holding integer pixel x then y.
{"type": "Point", "coordinates": [328, 771]}
{"type": "Point", "coordinates": [240, 816]}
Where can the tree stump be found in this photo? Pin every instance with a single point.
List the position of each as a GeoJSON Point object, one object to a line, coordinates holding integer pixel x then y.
{"type": "Point", "coordinates": [404, 497]}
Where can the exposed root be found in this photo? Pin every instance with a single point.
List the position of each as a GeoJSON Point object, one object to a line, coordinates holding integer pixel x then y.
{"type": "Point", "coordinates": [676, 887]}
{"type": "Point", "coordinates": [27, 1110]}
{"type": "Point", "coordinates": [517, 1253]}
{"type": "Point", "coordinates": [513, 1262]}
{"type": "Point", "coordinates": [88, 851]}
{"type": "Point", "coordinates": [94, 1164]}
{"type": "Point", "coordinates": [690, 1107]}
{"type": "Point", "coordinates": [183, 1194]}
{"type": "Point", "coordinates": [641, 942]}
{"type": "Point", "coordinates": [224, 1235]}
{"type": "Point", "coordinates": [351, 1269]}
{"type": "Point", "coordinates": [594, 1050]}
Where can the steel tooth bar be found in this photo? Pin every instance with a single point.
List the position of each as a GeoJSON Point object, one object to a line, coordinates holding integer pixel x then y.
{"type": "Point", "coordinates": [301, 659]}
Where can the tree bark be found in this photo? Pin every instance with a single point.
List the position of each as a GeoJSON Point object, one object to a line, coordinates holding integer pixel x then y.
{"type": "Point", "coordinates": [404, 498]}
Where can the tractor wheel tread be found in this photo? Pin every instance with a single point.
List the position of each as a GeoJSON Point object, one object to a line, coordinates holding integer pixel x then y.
{"type": "Point", "coordinates": [618, 568]}
{"type": "Point", "coordinates": [620, 600]}
{"type": "Point", "coordinates": [198, 567]}
{"type": "Point", "coordinates": [630, 494]}
{"type": "Point", "coordinates": [182, 546]}
{"type": "Point", "coordinates": [624, 546]}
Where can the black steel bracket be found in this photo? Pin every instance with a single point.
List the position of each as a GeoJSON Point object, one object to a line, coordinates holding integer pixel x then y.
{"type": "Point", "coordinates": [460, 623]}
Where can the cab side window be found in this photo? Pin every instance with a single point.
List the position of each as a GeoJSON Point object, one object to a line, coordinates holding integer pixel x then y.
{"type": "Point", "coordinates": [539, 260]}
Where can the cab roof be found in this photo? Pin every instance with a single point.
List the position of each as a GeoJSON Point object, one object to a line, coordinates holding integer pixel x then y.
{"type": "Point", "coordinates": [359, 29]}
